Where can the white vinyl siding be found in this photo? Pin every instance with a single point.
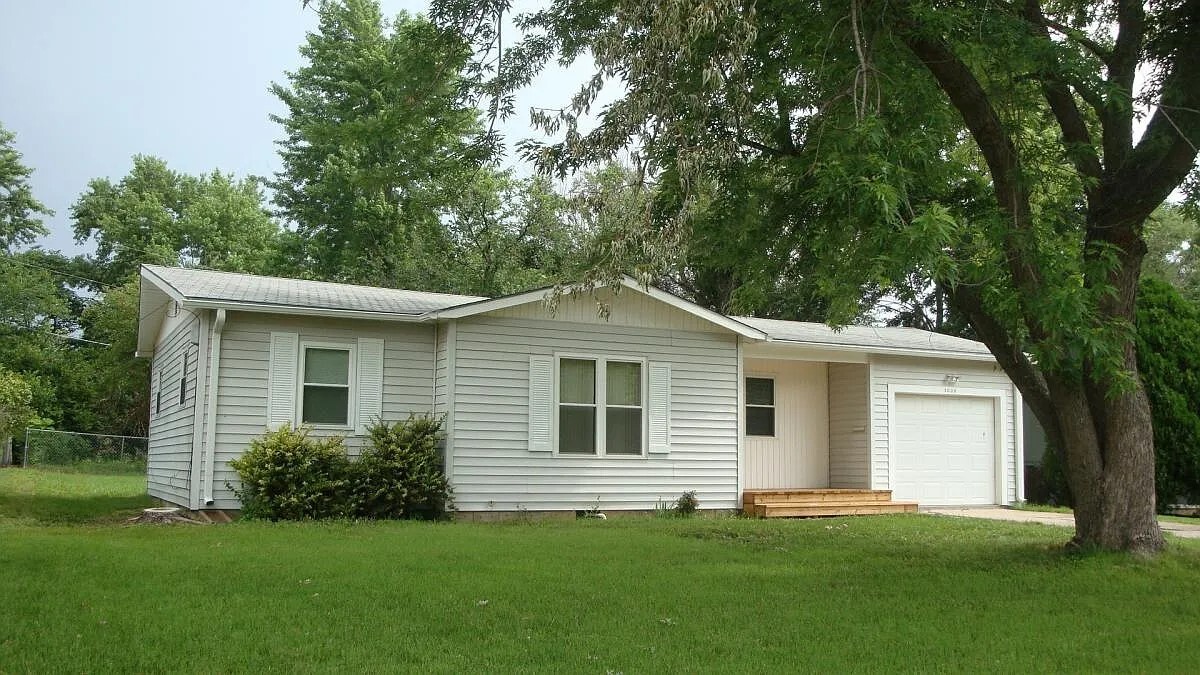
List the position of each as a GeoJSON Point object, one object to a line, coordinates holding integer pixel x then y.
{"type": "Point", "coordinates": [494, 468]}
{"type": "Point", "coordinates": [169, 457]}
{"type": "Point", "coordinates": [931, 373]}
{"type": "Point", "coordinates": [797, 455]}
{"type": "Point", "coordinates": [245, 355]}
{"type": "Point", "coordinates": [849, 442]}
{"type": "Point", "coordinates": [629, 308]}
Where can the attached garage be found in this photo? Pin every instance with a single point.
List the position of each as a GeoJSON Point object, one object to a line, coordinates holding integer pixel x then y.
{"type": "Point", "coordinates": [945, 449]}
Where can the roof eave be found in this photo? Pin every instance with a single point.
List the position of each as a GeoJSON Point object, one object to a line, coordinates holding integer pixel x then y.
{"type": "Point", "coordinates": [891, 351]}
{"type": "Point", "coordinates": [301, 310]}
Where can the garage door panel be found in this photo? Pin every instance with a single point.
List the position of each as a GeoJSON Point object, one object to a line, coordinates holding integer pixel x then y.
{"type": "Point", "coordinates": [945, 449]}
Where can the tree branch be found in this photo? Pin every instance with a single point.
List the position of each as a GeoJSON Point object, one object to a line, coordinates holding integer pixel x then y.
{"type": "Point", "coordinates": [1077, 138]}
{"type": "Point", "coordinates": [1117, 117]}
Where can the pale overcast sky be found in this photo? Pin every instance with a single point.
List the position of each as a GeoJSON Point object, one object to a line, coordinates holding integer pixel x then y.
{"type": "Point", "coordinates": [86, 85]}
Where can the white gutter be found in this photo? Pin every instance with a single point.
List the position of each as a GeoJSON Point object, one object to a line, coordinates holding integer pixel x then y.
{"type": "Point", "coordinates": [300, 310]}
{"type": "Point", "coordinates": [209, 451]}
{"type": "Point", "coordinates": [890, 351]}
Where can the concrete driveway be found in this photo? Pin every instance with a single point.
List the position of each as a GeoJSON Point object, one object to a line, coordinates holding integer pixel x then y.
{"type": "Point", "coordinates": [1185, 530]}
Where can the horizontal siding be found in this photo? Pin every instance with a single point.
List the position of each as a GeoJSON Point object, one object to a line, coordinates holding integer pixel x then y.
{"type": "Point", "coordinates": [628, 307]}
{"type": "Point", "coordinates": [931, 373]}
{"type": "Point", "coordinates": [245, 354]}
{"type": "Point", "coordinates": [169, 452]}
{"type": "Point", "coordinates": [849, 446]}
{"type": "Point", "coordinates": [493, 467]}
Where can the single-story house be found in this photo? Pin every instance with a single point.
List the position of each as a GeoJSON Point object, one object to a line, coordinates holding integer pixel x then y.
{"type": "Point", "coordinates": [554, 407]}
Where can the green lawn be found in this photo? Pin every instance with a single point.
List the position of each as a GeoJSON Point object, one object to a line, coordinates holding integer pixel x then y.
{"type": "Point", "coordinates": [908, 593]}
{"type": "Point", "coordinates": [1066, 509]}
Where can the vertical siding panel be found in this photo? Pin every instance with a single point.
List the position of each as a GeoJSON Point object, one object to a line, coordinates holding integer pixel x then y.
{"type": "Point", "coordinates": [849, 435]}
{"type": "Point", "coordinates": [798, 455]}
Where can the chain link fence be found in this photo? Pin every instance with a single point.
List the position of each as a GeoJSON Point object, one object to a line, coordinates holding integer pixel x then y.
{"type": "Point", "coordinates": [85, 453]}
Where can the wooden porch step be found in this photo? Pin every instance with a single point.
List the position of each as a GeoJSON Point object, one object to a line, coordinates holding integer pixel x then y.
{"type": "Point", "coordinates": [832, 508]}
{"type": "Point", "coordinates": [815, 496]}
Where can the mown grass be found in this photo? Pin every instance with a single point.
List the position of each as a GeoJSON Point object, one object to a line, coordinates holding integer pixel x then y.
{"type": "Point", "coordinates": [48, 496]}
{"type": "Point", "coordinates": [900, 593]}
{"type": "Point", "coordinates": [1048, 508]}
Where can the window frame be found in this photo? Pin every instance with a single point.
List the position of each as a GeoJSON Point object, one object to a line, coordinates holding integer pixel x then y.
{"type": "Point", "coordinates": [351, 383]}
{"type": "Point", "coordinates": [601, 405]}
{"type": "Point", "coordinates": [774, 404]}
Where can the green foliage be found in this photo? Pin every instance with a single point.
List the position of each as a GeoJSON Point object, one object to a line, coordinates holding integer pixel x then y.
{"type": "Point", "coordinates": [19, 211]}
{"type": "Point", "coordinates": [285, 475]}
{"type": "Point", "coordinates": [1173, 251]}
{"type": "Point", "coordinates": [16, 409]}
{"type": "Point", "coordinates": [1168, 347]}
{"type": "Point", "coordinates": [400, 474]}
{"type": "Point", "coordinates": [157, 215]}
{"type": "Point", "coordinates": [687, 504]}
{"type": "Point", "coordinates": [376, 147]}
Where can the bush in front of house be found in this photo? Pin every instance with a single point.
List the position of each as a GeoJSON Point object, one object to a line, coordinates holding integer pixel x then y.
{"type": "Point", "coordinates": [287, 475]}
{"type": "Point", "coordinates": [399, 474]}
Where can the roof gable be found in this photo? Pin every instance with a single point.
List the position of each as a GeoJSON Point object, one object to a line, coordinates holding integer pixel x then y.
{"type": "Point", "coordinates": [628, 284]}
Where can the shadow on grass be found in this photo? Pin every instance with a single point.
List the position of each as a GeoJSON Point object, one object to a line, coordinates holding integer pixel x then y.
{"type": "Point", "coordinates": [70, 510]}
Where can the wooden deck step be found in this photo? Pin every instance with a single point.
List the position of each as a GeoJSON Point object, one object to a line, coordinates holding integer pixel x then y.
{"type": "Point", "coordinates": [827, 509]}
{"type": "Point", "coordinates": [815, 496]}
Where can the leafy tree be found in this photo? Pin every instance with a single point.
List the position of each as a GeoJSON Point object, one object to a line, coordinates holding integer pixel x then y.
{"type": "Point", "coordinates": [157, 215]}
{"type": "Point", "coordinates": [119, 395]}
{"type": "Point", "coordinates": [377, 148]}
{"type": "Point", "coordinates": [1173, 251]}
{"type": "Point", "coordinates": [19, 211]}
{"type": "Point", "coordinates": [989, 147]}
{"type": "Point", "coordinates": [16, 411]}
{"type": "Point", "coordinates": [509, 235]}
{"type": "Point", "coordinates": [1168, 342]}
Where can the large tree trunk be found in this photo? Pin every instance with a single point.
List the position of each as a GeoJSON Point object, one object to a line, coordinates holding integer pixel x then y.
{"type": "Point", "coordinates": [1109, 451]}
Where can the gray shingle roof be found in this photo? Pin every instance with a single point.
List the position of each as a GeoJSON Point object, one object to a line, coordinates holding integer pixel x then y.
{"type": "Point", "coordinates": [203, 285]}
{"type": "Point", "coordinates": [864, 337]}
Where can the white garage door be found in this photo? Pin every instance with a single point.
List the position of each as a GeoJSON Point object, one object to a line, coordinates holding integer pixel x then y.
{"type": "Point", "coordinates": [945, 450]}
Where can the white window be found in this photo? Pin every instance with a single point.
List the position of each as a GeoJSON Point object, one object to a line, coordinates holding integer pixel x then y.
{"type": "Point", "coordinates": [326, 385]}
{"type": "Point", "coordinates": [760, 406]}
{"type": "Point", "coordinates": [601, 407]}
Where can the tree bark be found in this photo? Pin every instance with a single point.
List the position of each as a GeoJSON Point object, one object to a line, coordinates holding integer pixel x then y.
{"type": "Point", "coordinates": [1109, 452]}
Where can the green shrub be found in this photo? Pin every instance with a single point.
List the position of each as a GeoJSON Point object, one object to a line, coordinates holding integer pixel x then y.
{"type": "Point", "coordinates": [1168, 353]}
{"type": "Point", "coordinates": [400, 473]}
{"type": "Point", "coordinates": [687, 504]}
{"type": "Point", "coordinates": [285, 475]}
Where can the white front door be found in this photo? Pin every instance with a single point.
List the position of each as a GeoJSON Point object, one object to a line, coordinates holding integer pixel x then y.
{"type": "Point", "coordinates": [792, 452]}
{"type": "Point", "coordinates": [945, 450]}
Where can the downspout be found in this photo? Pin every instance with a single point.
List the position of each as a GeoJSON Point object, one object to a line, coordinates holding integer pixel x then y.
{"type": "Point", "coordinates": [210, 427]}
{"type": "Point", "coordinates": [198, 415]}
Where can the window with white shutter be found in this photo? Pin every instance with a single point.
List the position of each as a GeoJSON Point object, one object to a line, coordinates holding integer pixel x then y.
{"type": "Point", "coordinates": [659, 391]}
{"type": "Point", "coordinates": [541, 403]}
{"type": "Point", "coordinates": [370, 383]}
{"type": "Point", "coordinates": [281, 380]}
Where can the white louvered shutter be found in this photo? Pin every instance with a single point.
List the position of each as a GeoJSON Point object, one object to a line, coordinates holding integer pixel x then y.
{"type": "Point", "coordinates": [282, 380]}
{"type": "Point", "coordinates": [155, 383]}
{"type": "Point", "coordinates": [659, 404]}
{"type": "Point", "coordinates": [541, 403]}
{"type": "Point", "coordinates": [369, 384]}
